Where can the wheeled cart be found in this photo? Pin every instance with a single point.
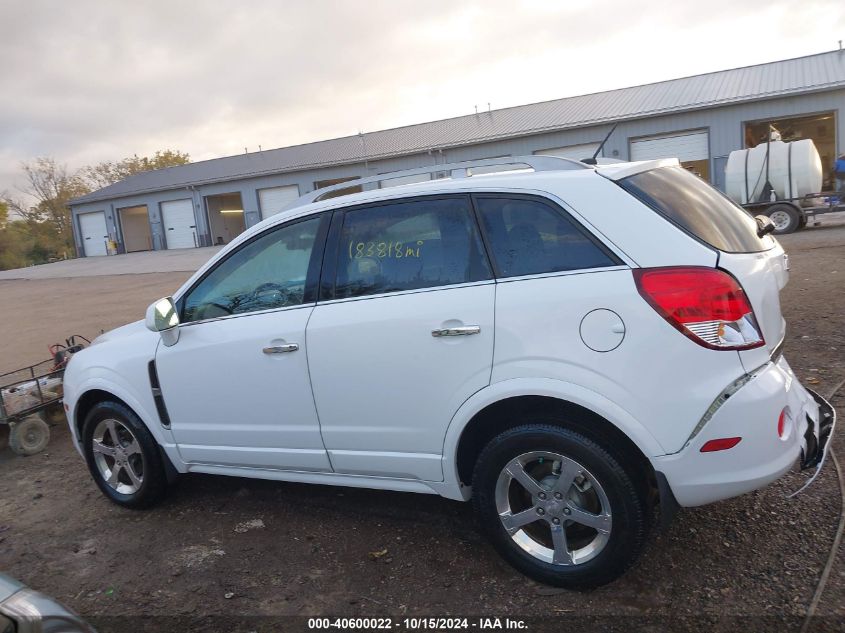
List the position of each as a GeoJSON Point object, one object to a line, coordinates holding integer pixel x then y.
{"type": "Point", "coordinates": [31, 398]}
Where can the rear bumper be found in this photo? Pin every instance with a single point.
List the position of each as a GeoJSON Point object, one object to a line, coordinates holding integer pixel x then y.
{"type": "Point", "coordinates": [817, 440]}
{"type": "Point", "coordinates": [762, 456]}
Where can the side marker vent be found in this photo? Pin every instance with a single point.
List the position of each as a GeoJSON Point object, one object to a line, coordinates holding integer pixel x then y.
{"type": "Point", "coordinates": [163, 416]}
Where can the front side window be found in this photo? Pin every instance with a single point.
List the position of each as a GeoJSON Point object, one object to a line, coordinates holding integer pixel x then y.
{"type": "Point", "coordinates": [530, 237]}
{"type": "Point", "coordinates": [407, 246]}
{"type": "Point", "coordinates": [269, 272]}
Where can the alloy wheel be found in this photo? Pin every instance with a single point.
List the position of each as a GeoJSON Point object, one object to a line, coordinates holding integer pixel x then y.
{"type": "Point", "coordinates": [118, 456]}
{"type": "Point", "coordinates": [553, 508]}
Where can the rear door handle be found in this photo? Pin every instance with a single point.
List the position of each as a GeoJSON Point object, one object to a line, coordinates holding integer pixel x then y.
{"type": "Point", "coordinates": [463, 330]}
{"type": "Point", "coordinates": [281, 349]}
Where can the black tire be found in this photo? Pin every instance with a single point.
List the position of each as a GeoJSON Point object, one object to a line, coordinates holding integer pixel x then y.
{"type": "Point", "coordinates": [626, 495]}
{"type": "Point", "coordinates": [29, 436]}
{"type": "Point", "coordinates": [153, 486]}
{"type": "Point", "coordinates": [791, 215]}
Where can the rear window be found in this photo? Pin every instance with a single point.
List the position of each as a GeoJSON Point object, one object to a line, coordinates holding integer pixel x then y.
{"type": "Point", "coordinates": [698, 209]}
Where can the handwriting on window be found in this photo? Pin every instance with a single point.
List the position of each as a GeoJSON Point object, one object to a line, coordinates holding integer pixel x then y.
{"type": "Point", "coordinates": [396, 250]}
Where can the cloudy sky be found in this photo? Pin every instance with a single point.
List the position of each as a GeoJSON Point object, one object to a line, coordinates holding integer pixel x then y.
{"type": "Point", "coordinates": [88, 81]}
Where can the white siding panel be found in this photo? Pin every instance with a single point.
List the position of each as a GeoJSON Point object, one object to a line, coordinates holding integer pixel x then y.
{"type": "Point", "coordinates": [180, 226]}
{"type": "Point", "coordinates": [575, 152]}
{"type": "Point", "coordinates": [275, 199]}
{"type": "Point", "coordinates": [94, 233]}
{"type": "Point", "coordinates": [685, 146]}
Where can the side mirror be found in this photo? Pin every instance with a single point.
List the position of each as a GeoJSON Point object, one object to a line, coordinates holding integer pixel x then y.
{"type": "Point", "coordinates": [764, 225]}
{"type": "Point", "coordinates": [162, 317]}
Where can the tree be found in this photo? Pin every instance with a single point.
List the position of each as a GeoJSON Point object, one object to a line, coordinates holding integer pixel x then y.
{"type": "Point", "coordinates": [51, 187]}
{"type": "Point", "coordinates": [6, 244]}
{"type": "Point", "coordinates": [109, 172]}
{"type": "Point", "coordinates": [44, 230]}
{"type": "Point", "coordinates": [15, 245]}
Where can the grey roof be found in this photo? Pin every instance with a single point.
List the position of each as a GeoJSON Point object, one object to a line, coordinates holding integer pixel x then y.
{"type": "Point", "coordinates": [823, 71]}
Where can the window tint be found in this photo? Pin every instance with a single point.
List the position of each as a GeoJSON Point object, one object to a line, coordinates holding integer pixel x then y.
{"type": "Point", "coordinates": [698, 209]}
{"type": "Point", "coordinates": [529, 237]}
{"type": "Point", "coordinates": [409, 245]}
{"type": "Point", "coordinates": [269, 272]}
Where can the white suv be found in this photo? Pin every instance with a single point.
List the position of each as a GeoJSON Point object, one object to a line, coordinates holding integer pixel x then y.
{"type": "Point", "coordinates": [565, 345]}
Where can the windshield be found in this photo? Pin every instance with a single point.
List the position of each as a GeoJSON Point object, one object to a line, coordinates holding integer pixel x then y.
{"type": "Point", "coordinates": [697, 208]}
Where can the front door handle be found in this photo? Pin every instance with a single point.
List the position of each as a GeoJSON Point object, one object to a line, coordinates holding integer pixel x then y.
{"type": "Point", "coordinates": [463, 330]}
{"type": "Point", "coordinates": [281, 349]}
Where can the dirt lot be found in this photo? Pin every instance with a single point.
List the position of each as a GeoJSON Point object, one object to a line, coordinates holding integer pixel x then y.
{"type": "Point", "coordinates": [760, 555]}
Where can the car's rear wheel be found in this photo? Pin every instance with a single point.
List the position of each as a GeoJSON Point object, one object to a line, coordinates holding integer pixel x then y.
{"type": "Point", "coordinates": [558, 506]}
{"type": "Point", "coordinates": [123, 456]}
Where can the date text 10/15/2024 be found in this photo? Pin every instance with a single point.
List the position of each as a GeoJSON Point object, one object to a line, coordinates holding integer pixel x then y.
{"type": "Point", "coordinates": [417, 624]}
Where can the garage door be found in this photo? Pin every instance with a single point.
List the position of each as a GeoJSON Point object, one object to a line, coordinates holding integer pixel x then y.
{"type": "Point", "coordinates": [92, 226]}
{"type": "Point", "coordinates": [180, 228]}
{"type": "Point", "coordinates": [275, 199]}
{"type": "Point", "coordinates": [686, 147]}
{"type": "Point", "coordinates": [575, 152]}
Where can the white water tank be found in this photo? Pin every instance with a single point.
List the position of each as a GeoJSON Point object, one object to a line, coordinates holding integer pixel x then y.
{"type": "Point", "coordinates": [795, 170]}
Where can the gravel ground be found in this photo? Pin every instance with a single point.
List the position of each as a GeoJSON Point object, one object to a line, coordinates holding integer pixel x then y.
{"type": "Point", "coordinates": [224, 548]}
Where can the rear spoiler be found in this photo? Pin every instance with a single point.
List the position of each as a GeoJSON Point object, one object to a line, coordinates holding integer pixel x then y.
{"type": "Point", "coordinates": [623, 170]}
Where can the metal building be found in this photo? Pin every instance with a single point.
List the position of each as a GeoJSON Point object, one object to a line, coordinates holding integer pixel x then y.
{"type": "Point", "coordinates": [698, 119]}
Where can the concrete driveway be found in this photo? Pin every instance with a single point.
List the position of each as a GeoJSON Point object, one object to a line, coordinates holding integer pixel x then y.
{"type": "Point", "coordinates": [179, 260]}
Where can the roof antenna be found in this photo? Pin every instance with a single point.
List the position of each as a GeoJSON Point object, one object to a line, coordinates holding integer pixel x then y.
{"type": "Point", "coordinates": [476, 110]}
{"type": "Point", "coordinates": [259, 148]}
{"type": "Point", "coordinates": [488, 107]}
{"type": "Point", "coordinates": [593, 161]}
{"type": "Point", "coordinates": [245, 151]}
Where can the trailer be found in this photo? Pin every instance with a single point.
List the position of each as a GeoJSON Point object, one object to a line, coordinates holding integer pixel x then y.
{"type": "Point", "coordinates": [781, 180]}
{"type": "Point", "coordinates": [792, 214]}
{"type": "Point", "coordinates": [31, 397]}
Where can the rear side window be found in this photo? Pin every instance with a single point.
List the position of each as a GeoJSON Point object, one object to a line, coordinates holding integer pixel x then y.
{"type": "Point", "coordinates": [698, 209]}
{"type": "Point", "coordinates": [529, 237]}
{"type": "Point", "coordinates": [407, 246]}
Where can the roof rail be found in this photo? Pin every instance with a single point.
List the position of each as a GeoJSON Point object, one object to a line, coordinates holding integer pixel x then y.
{"type": "Point", "coordinates": [456, 170]}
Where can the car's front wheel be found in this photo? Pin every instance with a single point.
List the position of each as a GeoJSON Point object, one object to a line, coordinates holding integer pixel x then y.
{"type": "Point", "coordinates": [558, 506]}
{"type": "Point", "coordinates": [123, 456]}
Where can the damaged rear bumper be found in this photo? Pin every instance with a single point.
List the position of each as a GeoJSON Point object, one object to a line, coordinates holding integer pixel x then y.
{"type": "Point", "coordinates": [778, 421]}
{"type": "Point", "coordinates": [817, 439]}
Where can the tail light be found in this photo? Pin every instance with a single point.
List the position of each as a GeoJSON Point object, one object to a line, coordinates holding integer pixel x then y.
{"type": "Point", "coordinates": [706, 304]}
